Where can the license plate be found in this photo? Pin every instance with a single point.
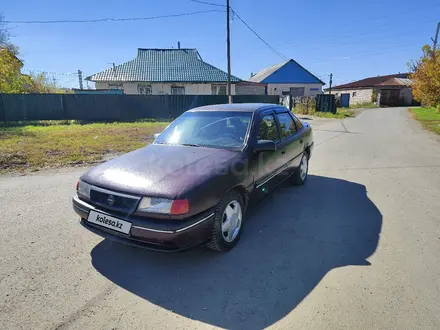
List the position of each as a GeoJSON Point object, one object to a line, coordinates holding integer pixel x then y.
{"type": "Point", "coordinates": [107, 221]}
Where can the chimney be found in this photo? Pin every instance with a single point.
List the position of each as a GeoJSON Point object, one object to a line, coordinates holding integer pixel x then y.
{"type": "Point", "coordinates": [178, 45]}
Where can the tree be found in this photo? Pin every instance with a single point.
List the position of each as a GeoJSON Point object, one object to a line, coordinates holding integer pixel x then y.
{"type": "Point", "coordinates": [11, 79]}
{"type": "Point", "coordinates": [426, 77]}
{"type": "Point", "coordinates": [4, 32]}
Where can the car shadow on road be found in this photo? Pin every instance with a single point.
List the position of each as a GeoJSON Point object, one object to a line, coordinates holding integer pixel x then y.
{"type": "Point", "coordinates": [292, 239]}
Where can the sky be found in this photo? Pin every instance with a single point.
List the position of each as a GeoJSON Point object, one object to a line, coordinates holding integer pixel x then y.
{"type": "Point", "coordinates": [351, 39]}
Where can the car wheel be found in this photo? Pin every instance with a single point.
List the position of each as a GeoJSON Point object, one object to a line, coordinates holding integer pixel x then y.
{"type": "Point", "coordinates": [300, 175]}
{"type": "Point", "coordinates": [228, 222]}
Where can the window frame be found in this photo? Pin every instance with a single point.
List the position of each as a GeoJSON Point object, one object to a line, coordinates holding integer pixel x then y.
{"type": "Point", "coordinates": [264, 115]}
{"type": "Point", "coordinates": [178, 87]}
{"type": "Point", "coordinates": [145, 86]}
{"type": "Point", "coordinates": [117, 86]}
{"type": "Point", "coordinates": [279, 125]}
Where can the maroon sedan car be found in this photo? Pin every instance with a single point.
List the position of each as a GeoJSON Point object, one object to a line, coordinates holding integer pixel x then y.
{"type": "Point", "coordinates": [192, 185]}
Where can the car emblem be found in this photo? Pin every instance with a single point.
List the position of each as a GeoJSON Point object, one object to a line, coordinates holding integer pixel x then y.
{"type": "Point", "coordinates": [111, 199]}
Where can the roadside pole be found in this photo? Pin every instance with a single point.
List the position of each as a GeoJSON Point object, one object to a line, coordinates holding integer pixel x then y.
{"type": "Point", "coordinates": [80, 79]}
{"type": "Point", "coordinates": [331, 80]}
{"type": "Point", "coordinates": [435, 40]}
{"type": "Point", "coordinates": [228, 43]}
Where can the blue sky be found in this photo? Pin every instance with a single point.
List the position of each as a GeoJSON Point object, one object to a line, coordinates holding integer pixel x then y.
{"type": "Point", "coordinates": [351, 39]}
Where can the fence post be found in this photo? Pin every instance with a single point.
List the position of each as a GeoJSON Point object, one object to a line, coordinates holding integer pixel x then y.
{"type": "Point", "coordinates": [2, 109]}
{"type": "Point", "coordinates": [23, 108]}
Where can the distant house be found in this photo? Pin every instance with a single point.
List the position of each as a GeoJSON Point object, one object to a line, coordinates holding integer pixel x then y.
{"type": "Point", "coordinates": [389, 90]}
{"type": "Point", "coordinates": [164, 72]}
{"type": "Point", "coordinates": [288, 77]}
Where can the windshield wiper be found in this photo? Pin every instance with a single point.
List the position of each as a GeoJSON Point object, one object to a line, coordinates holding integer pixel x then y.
{"type": "Point", "coordinates": [190, 145]}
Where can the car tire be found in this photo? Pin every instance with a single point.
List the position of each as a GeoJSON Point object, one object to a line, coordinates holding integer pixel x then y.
{"type": "Point", "coordinates": [224, 236]}
{"type": "Point", "coordinates": [301, 173]}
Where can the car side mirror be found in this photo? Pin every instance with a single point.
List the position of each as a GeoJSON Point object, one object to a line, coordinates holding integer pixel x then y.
{"type": "Point", "coordinates": [265, 145]}
{"type": "Point", "coordinates": [156, 135]}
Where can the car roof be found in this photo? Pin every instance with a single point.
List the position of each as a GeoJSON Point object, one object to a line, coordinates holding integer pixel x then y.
{"type": "Point", "coordinates": [239, 107]}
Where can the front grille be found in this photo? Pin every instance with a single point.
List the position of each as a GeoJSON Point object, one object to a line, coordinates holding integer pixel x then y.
{"type": "Point", "coordinates": [113, 201]}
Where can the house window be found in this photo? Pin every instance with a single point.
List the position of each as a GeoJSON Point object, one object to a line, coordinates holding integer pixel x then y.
{"type": "Point", "coordinates": [177, 90]}
{"type": "Point", "coordinates": [354, 94]}
{"type": "Point", "coordinates": [115, 86]}
{"type": "Point", "coordinates": [218, 89]}
{"type": "Point", "coordinates": [144, 89]}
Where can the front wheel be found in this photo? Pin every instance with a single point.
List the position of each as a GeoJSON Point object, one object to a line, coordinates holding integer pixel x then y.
{"type": "Point", "coordinates": [228, 222]}
{"type": "Point", "coordinates": [300, 175]}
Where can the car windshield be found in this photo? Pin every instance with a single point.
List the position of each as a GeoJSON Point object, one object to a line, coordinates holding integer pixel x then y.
{"type": "Point", "coordinates": [212, 129]}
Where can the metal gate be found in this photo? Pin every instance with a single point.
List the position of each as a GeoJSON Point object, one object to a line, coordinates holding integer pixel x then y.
{"type": "Point", "coordinates": [325, 103]}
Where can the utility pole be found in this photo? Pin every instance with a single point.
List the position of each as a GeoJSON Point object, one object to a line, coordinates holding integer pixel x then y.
{"type": "Point", "coordinates": [80, 79]}
{"type": "Point", "coordinates": [435, 40]}
{"type": "Point", "coordinates": [228, 42]}
{"type": "Point", "coordinates": [331, 80]}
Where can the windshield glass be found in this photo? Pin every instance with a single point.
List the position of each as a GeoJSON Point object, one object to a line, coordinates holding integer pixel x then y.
{"type": "Point", "coordinates": [213, 129]}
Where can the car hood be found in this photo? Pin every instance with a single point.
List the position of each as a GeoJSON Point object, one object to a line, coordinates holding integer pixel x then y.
{"type": "Point", "coordinates": [159, 170]}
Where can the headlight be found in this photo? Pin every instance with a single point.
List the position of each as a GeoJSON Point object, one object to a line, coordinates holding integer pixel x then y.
{"type": "Point", "coordinates": [83, 189]}
{"type": "Point", "coordinates": [163, 206]}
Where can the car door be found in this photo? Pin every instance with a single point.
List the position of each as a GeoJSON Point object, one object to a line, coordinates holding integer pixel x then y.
{"type": "Point", "coordinates": [291, 138]}
{"type": "Point", "coordinates": [268, 163]}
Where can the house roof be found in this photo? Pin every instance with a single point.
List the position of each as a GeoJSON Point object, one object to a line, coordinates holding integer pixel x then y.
{"type": "Point", "coordinates": [288, 71]}
{"type": "Point", "coordinates": [398, 82]}
{"type": "Point", "coordinates": [164, 65]}
{"type": "Point", "coordinates": [370, 82]}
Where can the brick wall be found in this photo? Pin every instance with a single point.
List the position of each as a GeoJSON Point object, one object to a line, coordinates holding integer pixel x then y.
{"type": "Point", "coordinates": [356, 95]}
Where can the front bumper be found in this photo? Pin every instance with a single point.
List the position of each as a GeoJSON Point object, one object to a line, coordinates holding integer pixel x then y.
{"type": "Point", "coordinates": [155, 234]}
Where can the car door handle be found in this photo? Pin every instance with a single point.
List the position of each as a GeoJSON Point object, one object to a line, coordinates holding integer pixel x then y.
{"type": "Point", "coordinates": [283, 152]}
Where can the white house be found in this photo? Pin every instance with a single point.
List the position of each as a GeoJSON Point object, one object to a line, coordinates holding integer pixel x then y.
{"type": "Point", "coordinates": [389, 90]}
{"type": "Point", "coordinates": [289, 77]}
{"type": "Point", "coordinates": [163, 72]}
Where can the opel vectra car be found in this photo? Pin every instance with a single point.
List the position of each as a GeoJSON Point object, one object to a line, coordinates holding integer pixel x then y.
{"type": "Point", "coordinates": [193, 184]}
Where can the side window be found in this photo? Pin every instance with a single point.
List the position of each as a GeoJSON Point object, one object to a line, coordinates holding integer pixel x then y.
{"type": "Point", "coordinates": [298, 123]}
{"type": "Point", "coordinates": [268, 129]}
{"type": "Point", "coordinates": [287, 125]}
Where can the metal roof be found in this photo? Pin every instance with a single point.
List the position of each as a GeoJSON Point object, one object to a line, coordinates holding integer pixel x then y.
{"type": "Point", "coordinates": [244, 107]}
{"type": "Point", "coordinates": [397, 82]}
{"type": "Point", "coordinates": [370, 82]}
{"type": "Point", "coordinates": [263, 74]}
{"type": "Point", "coordinates": [164, 65]}
{"type": "Point", "coordinates": [287, 72]}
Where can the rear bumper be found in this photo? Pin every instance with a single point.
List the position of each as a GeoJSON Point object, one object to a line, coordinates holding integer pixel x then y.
{"type": "Point", "coordinates": [162, 235]}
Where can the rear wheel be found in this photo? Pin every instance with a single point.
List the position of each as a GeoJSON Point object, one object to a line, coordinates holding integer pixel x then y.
{"type": "Point", "coordinates": [228, 222]}
{"type": "Point", "coordinates": [300, 175]}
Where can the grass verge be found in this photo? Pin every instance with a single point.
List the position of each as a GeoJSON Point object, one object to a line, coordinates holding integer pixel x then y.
{"type": "Point", "coordinates": [428, 117]}
{"type": "Point", "coordinates": [31, 147]}
{"type": "Point", "coordinates": [340, 113]}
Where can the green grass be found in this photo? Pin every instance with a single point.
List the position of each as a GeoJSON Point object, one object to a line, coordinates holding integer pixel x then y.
{"type": "Point", "coordinates": [364, 105]}
{"type": "Point", "coordinates": [340, 113]}
{"type": "Point", "coordinates": [428, 117]}
{"type": "Point", "coordinates": [54, 144]}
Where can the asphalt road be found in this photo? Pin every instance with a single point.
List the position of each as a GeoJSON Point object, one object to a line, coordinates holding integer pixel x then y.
{"type": "Point", "coordinates": [357, 247]}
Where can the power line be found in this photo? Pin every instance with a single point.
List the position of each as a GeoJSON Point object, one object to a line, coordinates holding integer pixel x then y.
{"type": "Point", "coordinates": [114, 19]}
{"type": "Point", "coordinates": [207, 3]}
{"type": "Point", "coordinates": [258, 36]}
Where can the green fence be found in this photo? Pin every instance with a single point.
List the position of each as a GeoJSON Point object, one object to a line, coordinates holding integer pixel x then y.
{"type": "Point", "coordinates": [23, 107]}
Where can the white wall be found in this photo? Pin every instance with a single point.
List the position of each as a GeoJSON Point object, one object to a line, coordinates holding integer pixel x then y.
{"type": "Point", "coordinates": [165, 88]}
{"type": "Point", "coordinates": [361, 95]}
{"type": "Point", "coordinates": [278, 89]}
